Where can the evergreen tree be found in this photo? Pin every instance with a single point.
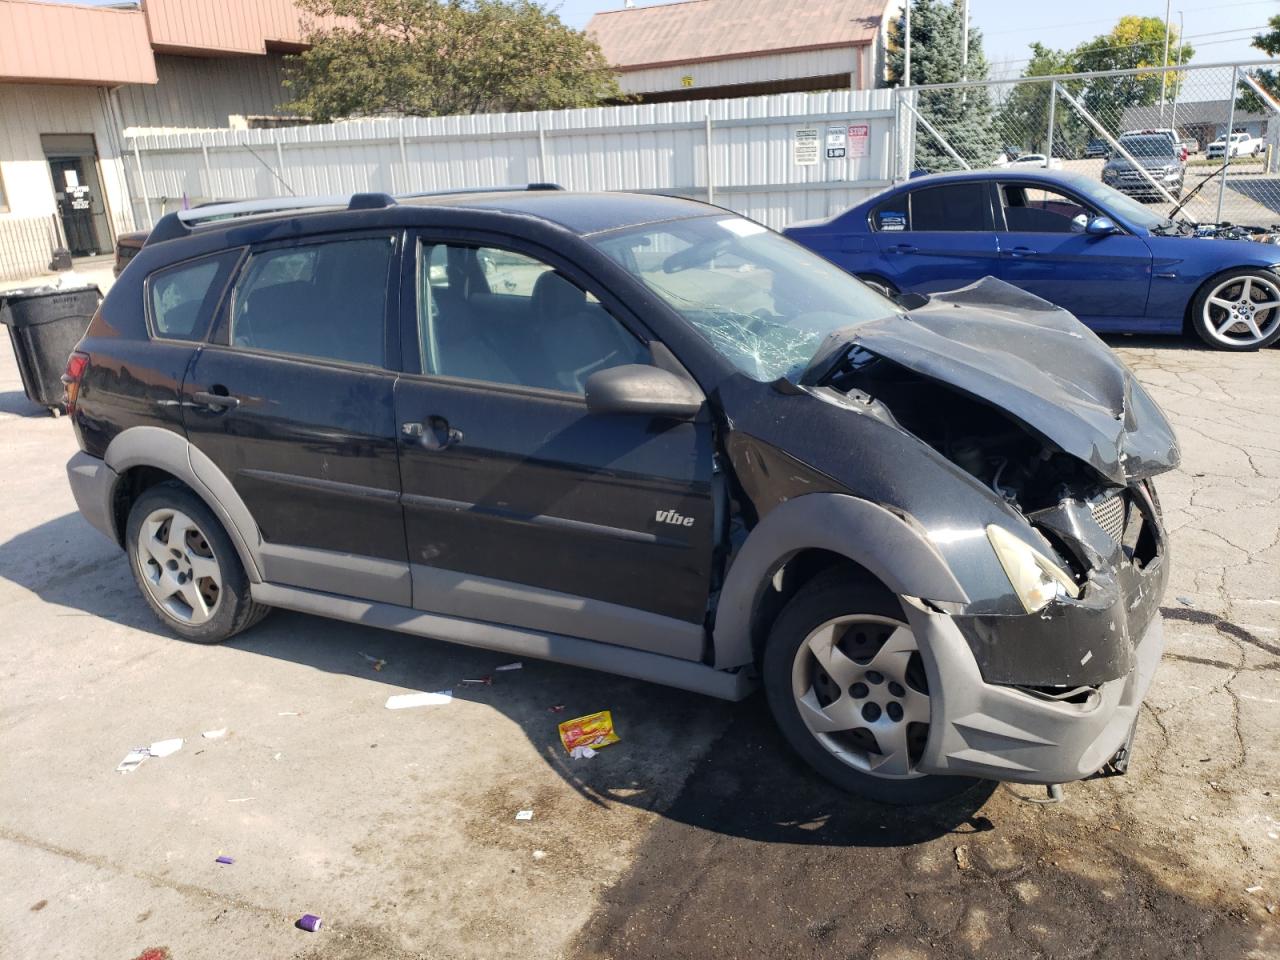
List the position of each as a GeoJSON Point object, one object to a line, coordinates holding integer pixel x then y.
{"type": "Point", "coordinates": [964, 116]}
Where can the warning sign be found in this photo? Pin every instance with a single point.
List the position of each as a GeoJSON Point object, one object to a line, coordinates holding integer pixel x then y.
{"type": "Point", "coordinates": [835, 143]}
{"type": "Point", "coordinates": [805, 147]}
{"type": "Point", "coordinates": [859, 139]}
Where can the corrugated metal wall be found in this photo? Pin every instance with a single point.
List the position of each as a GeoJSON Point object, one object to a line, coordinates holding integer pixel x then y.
{"type": "Point", "coordinates": [652, 147]}
{"type": "Point", "coordinates": [205, 91]}
{"type": "Point", "coordinates": [754, 69]}
{"type": "Point", "coordinates": [29, 110]}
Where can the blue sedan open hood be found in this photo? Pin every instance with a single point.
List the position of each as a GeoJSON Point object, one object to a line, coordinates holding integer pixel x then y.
{"type": "Point", "coordinates": [1039, 365]}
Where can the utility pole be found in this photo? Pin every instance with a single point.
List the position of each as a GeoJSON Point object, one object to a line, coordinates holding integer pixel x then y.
{"type": "Point", "coordinates": [964, 39]}
{"type": "Point", "coordinates": [906, 47]}
{"type": "Point", "coordinates": [1168, 10]}
{"type": "Point", "coordinates": [1177, 79]}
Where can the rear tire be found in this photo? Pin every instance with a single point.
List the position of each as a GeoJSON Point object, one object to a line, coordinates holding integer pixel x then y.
{"type": "Point", "coordinates": [865, 682]}
{"type": "Point", "coordinates": [186, 566]}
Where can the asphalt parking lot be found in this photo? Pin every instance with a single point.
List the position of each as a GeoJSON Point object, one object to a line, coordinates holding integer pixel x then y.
{"type": "Point", "coordinates": [695, 836]}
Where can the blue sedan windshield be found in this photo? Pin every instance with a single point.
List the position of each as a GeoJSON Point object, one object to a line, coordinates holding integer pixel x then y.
{"type": "Point", "coordinates": [1115, 202]}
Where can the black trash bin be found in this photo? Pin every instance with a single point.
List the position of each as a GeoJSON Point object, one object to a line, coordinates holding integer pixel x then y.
{"type": "Point", "coordinates": [45, 324]}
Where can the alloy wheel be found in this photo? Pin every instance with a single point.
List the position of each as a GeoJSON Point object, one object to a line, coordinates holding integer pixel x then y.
{"type": "Point", "coordinates": [860, 687]}
{"type": "Point", "coordinates": [1242, 311]}
{"type": "Point", "coordinates": [178, 566]}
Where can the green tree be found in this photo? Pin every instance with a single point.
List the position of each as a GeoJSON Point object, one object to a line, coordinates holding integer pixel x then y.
{"type": "Point", "coordinates": [1269, 80]}
{"type": "Point", "coordinates": [1023, 119]}
{"type": "Point", "coordinates": [963, 116]}
{"type": "Point", "coordinates": [1133, 43]}
{"type": "Point", "coordinates": [440, 57]}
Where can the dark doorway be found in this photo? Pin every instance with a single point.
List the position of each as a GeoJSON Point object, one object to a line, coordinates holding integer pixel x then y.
{"type": "Point", "coordinates": [77, 189]}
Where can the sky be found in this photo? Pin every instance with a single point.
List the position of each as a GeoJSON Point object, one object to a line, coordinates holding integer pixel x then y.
{"type": "Point", "coordinates": [1220, 32]}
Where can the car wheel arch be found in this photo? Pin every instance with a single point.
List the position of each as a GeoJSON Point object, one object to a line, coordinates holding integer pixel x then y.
{"type": "Point", "coordinates": [873, 540]}
{"type": "Point", "coordinates": [144, 455]}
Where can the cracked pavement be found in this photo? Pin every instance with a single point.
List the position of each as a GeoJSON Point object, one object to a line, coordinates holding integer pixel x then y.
{"type": "Point", "coordinates": [696, 836]}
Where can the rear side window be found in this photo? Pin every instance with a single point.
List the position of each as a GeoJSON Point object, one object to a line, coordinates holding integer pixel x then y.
{"type": "Point", "coordinates": [954, 207]}
{"type": "Point", "coordinates": [326, 300]}
{"type": "Point", "coordinates": [182, 298]}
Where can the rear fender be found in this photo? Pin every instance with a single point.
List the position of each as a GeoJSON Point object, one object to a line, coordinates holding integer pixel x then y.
{"type": "Point", "coordinates": [171, 452]}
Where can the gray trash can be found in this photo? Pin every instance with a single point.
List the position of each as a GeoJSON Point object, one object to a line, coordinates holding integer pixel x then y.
{"type": "Point", "coordinates": [45, 324]}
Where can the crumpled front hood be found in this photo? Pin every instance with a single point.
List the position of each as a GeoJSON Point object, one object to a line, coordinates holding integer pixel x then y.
{"type": "Point", "coordinates": [1038, 364]}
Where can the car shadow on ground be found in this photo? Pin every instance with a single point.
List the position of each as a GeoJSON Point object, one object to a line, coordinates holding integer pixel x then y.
{"type": "Point", "coordinates": [16, 402]}
{"type": "Point", "coordinates": [745, 782]}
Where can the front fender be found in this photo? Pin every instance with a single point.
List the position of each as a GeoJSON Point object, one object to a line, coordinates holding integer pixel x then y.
{"type": "Point", "coordinates": [893, 550]}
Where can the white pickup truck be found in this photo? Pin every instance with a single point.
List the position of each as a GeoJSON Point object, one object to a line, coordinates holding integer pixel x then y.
{"type": "Point", "coordinates": [1242, 145]}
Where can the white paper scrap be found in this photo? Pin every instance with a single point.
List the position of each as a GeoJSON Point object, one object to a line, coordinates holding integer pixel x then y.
{"type": "Point", "coordinates": [402, 700]}
{"type": "Point", "coordinates": [524, 815]}
{"type": "Point", "coordinates": [510, 666]}
{"type": "Point", "coordinates": [582, 752]}
{"type": "Point", "coordinates": [214, 734]}
{"type": "Point", "coordinates": [163, 748]}
{"type": "Point", "coordinates": [132, 760]}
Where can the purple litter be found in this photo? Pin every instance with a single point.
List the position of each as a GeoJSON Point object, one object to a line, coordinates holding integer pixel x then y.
{"type": "Point", "coordinates": [309, 922]}
{"type": "Point", "coordinates": [226, 860]}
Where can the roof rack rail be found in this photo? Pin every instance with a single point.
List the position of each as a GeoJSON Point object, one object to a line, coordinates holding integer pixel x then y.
{"type": "Point", "coordinates": [182, 222]}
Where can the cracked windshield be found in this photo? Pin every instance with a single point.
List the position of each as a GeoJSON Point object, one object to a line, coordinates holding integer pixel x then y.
{"type": "Point", "coordinates": [763, 302]}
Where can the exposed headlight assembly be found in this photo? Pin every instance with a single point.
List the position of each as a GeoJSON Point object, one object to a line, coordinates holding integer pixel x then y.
{"type": "Point", "coordinates": [1036, 579]}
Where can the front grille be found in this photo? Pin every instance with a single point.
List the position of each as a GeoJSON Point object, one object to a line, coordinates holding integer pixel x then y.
{"type": "Point", "coordinates": [1109, 514]}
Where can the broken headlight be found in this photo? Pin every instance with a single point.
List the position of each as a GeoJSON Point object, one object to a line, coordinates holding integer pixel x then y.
{"type": "Point", "coordinates": [1035, 578]}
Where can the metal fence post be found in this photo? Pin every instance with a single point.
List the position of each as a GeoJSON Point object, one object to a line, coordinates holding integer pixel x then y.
{"type": "Point", "coordinates": [208, 173]}
{"type": "Point", "coordinates": [542, 152]}
{"type": "Point", "coordinates": [404, 158]}
{"type": "Point", "coordinates": [142, 184]}
{"type": "Point", "coordinates": [711, 185]}
{"type": "Point", "coordinates": [1053, 105]}
{"type": "Point", "coordinates": [895, 134]}
{"type": "Point", "coordinates": [1226, 141]}
{"type": "Point", "coordinates": [280, 167]}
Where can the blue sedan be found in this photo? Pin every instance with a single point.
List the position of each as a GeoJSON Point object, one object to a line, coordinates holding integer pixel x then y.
{"type": "Point", "coordinates": [1119, 266]}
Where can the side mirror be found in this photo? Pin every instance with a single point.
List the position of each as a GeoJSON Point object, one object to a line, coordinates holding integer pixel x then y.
{"type": "Point", "coordinates": [637, 388]}
{"type": "Point", "coordinates": [1101, 227]}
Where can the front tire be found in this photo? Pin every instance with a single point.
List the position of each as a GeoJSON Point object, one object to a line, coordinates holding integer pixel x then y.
{"type": "Point", "coordinates": [187, 568]}
{"type": "Point", "coordinates": [846, 685]}
{"type": "Point", "coordinates": [1238, 310]}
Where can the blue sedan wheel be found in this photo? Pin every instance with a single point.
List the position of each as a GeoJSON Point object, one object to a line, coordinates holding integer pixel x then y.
{"type": "Point", "coordinates": [1239, 310]}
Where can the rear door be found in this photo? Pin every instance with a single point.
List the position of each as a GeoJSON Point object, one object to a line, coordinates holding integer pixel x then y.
{"type": "Point", "coordinates": [1103, 280]}
{"type": "Point", "coordinates": [520, 506]}
{"type": "Point", "coordinates": [937, 238]}
{"type": "Point", "coordinates": [293, 400]}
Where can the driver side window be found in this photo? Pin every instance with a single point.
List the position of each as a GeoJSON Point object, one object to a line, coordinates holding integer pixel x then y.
{"type": "Point", "coordinates": [1030, 209]}
{"type": "Point", "coordinates": [499, 316]}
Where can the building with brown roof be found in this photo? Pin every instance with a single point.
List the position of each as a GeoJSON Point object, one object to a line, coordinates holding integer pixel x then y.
{"type": "Point", "coordinates": [707, 49]}
{"type": "Point", "coordinates": [73, 77]}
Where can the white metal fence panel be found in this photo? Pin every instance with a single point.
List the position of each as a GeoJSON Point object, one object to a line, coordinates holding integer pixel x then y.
{"type": "Point", "coordinates": [751, 145]}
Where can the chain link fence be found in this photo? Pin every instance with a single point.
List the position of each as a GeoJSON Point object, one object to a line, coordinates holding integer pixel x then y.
{"type": "Point", "coordinates": [1201, 142]}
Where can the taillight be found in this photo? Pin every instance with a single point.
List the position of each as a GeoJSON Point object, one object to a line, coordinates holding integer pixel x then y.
{"type": "Point", "coordinates": [76, 364]}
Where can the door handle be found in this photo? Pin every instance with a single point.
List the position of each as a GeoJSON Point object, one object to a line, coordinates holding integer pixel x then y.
{"type": "Point", "coordinates": [1022, 252]}
{"type": "Point", "coordinates": [903, 248]}
{"type": "Point", "coordinates": [434, 433]}
{"type": "Point", "coordinates": [214, 400]}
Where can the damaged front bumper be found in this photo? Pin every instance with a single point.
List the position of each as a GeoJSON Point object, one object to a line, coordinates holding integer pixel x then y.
{"type": "Point", "coordinates": [1006, 733]}
{"type": "Point", "coordinates": [1052, 696]}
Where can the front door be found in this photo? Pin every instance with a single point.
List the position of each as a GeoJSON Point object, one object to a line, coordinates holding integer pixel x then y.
{"type": "Point", "coordinates": [77, 189]}
{"type": "Point", "coordinates": [1103, 280]}
{"type": "Point", "coordinates": [294, 402]}
{"type": "Point", "coordinates": [937, 238]}
{"type": "Point", "coordinates": [521, 507]}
